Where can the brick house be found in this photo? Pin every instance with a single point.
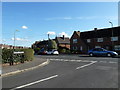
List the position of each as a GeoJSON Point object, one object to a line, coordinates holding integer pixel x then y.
{"type": "Point", "coordinates": [108, 38]}
{"type": "Point", "coordinates": [63, 42]}
{"type": "Point", "coordinates": [77, 43]}
{"type": "Point", "coordinates": [40, 44]}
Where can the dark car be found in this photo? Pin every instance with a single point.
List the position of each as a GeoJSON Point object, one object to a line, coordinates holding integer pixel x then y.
{"type": "Point", "coordinates": [101, 52]}
{"type": "Point", "coordinates": [42, 52]}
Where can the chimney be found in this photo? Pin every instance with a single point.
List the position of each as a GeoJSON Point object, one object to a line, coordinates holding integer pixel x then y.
{"type": "Point", "coordinates": [95, 29]}
{"type": "Point", "coordinates": [63, 37]}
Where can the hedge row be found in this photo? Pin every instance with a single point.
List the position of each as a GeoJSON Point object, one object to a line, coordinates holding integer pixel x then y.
{"type": "Point", "coordinates": [9, 57]}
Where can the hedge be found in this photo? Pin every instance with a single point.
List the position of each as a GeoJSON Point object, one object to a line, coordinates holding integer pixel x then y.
{"type": "Point", "coordinates": [9, 57]}
{"type": "Point", "coordinates": [36, 50]}
{"type": "Point", "coordinates": [0, 56]}
{"type": "Point", "coordinates": [29, 54]}
{"type": "Point", "coordinates": [6, 55]}
{"type": "Point", "coordinates": [64, 51]}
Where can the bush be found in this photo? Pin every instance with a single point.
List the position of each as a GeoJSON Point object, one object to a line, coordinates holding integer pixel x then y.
{"type": "Point", "coordinates": [28, 54]}
{"type": "Point", "coordinates": [68, 51]}
{"type": "Point", "coordinates": [36, 50]}
{"type": "Point", "coordinates": [8, 57]}
{"type": "Point", "coordinates": [75, 51]}
{"type": "Point", "coordinates": [0, 55]}
{"type": "Point", "coordinates": [52, 44]}
{"type": "Point", "coordinates": [65, 51]}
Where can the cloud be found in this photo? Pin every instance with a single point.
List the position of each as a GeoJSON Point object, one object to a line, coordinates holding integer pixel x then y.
{"type": "Point", "coordinates": [2, 40]}
{"type": "Point", "coordinates": [68, 18]}
{"type": "Point", "coordinates": [83, 18]}
{"type": "Point", "coordinates": [24, 27]}
{"type": "Point", "coordinates": [59, 18]}
{"type": "Point", "coordinates": [73, 18]}
{"type": "Point", "coordinates": [112, 17]}
{"type": "Point", "coordinates": [51, 33]}
{"type": "Point", "coordinates": [63, 33]}
{"type": "Point", "coordinates": [87, 17]}
{"type": "Point", "coordinates": [21, 39]}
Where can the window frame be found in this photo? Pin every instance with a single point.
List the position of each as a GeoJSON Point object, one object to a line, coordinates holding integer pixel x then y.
{"type": "Point", "coordinates": [88, 40]}
{"type": "Point", "coordinates": [113, 38]}
{"type": "Point", "coordinates": [75, 40]}
{"type": "Point", "coordinates": [99, 39]}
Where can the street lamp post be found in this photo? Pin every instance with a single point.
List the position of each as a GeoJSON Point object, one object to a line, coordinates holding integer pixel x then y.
{"type": "Point", "coordinates": [15, 37]}
{"type": "Point", "coordinates": [48, 40]}
{"type": "Point", "coordinates": [112, 32]}
{"type": "Point", "coordinates": [12, 57]}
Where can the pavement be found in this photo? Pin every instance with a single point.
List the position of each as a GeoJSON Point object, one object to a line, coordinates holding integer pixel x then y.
{"type": "Point", "coordinates": [30, 65]}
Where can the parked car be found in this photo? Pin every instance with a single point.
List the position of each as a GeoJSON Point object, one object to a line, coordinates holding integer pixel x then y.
{"type": "Point", "coordinates": [101, 52]}
{"type": "Point", "coordinates": [53, 51]}
{"type": "Point", "coordinates": [42, 52]}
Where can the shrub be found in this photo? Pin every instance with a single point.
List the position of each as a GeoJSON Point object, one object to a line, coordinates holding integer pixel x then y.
{"type": "Point", "coordinates": [68, 51]}
{"type": "Point", "coordinates": [28, 54]}
{"type": "Point", "coordinates": [8, 57]}
{"type": "Point", "coordinates": [36, 50]}
{"type": "Point", "coordinates": [52, 44]}
{"type": "Point", "coordinates": [63, 50]}
{"type": "Point", "coordinates": [0, 56]}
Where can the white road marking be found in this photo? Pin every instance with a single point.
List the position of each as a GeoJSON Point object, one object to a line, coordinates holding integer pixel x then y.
{"type": "Point", "coordinates": [103, 61]}
{"type": "Point", "coordinates": [0, 71]}
{"type": "Point", "coordinates": [112, 62]}
{"type": "Point", "coordinates": [87, 61]}
{"type": "Point", "coordinates": [86, 65]}
{"type": "Point", "coordinates": [29, 84]}
{"type": "Point", "coordinates": [66, 60]}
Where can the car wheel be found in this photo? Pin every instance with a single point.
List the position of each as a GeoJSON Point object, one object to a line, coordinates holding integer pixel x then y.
{"type": "Point", "coordinates": [91, 54]}
{"type": "Point", "coordinates": [109, 55]}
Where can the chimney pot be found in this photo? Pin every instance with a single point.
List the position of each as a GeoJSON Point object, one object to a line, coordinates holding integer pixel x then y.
{"type": "Point", "coordinates": [95, 29]}
{"type": "Point", "coordinates": [63, 37]}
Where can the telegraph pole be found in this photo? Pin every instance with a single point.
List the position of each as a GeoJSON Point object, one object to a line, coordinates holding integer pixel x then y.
{"type": "Point", "coordinates": [48, 36]}
{"type": "Point", "coordinates": [112, 33]}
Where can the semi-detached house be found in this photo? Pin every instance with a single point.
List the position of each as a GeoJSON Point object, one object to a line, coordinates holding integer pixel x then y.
{"type": "Point", "coordinates": [108, 38]}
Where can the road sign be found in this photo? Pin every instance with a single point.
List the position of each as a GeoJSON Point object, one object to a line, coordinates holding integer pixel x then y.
{"type": "Point", "coordinates": [18, 52]}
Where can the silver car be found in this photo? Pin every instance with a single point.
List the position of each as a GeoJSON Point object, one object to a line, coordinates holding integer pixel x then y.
{"type": "Point", "coordinates": [53, 51]}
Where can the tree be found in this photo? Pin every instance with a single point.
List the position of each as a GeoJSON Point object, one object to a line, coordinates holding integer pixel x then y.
{"type": "Point", "coordinates": [52, 44]}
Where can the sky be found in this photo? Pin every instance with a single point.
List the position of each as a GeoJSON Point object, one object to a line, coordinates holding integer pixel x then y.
{"type": "Point", "coordinates": [32, 21]}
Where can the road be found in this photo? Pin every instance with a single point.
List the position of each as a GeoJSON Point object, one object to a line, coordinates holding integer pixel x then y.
{"type": "Point", "coordinates": [68, 71]}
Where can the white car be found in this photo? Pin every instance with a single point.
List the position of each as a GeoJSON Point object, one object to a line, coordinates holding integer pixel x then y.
{"type": "Point", "coordinates": [55, 52]}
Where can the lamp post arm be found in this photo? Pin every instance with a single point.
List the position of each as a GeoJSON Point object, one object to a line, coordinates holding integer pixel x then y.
{"type": "Point", "coordinates": [14, 38]}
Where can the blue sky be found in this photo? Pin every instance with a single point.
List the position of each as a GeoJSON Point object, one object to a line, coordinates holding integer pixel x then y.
{"type": "Point", "coordinates": [35, 19]}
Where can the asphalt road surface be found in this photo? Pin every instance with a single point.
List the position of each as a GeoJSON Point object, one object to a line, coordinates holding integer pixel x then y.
{"type": "Point", "coordinates": [68, 71]}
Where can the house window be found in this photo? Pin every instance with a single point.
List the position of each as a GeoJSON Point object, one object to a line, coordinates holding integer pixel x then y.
{"type": "Point", "coordinates": [88, 40]}
{"type": "Point", "coordinates": [97, 46]}
{"type": "Point", "coordinates": [76, 48]}
{"type": "Point", "coordinates": [81, 48]}
{"type": "Point", "coordinates": [114, 38]}
{"type": "Point", "coordinates": [73, 48]}
{"type": "Point", "coordinates": [100, 40]}
{"type": "Point", "coordinates": [74, 40]}
{"type": "Point", "coordinates": [117, 47]}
